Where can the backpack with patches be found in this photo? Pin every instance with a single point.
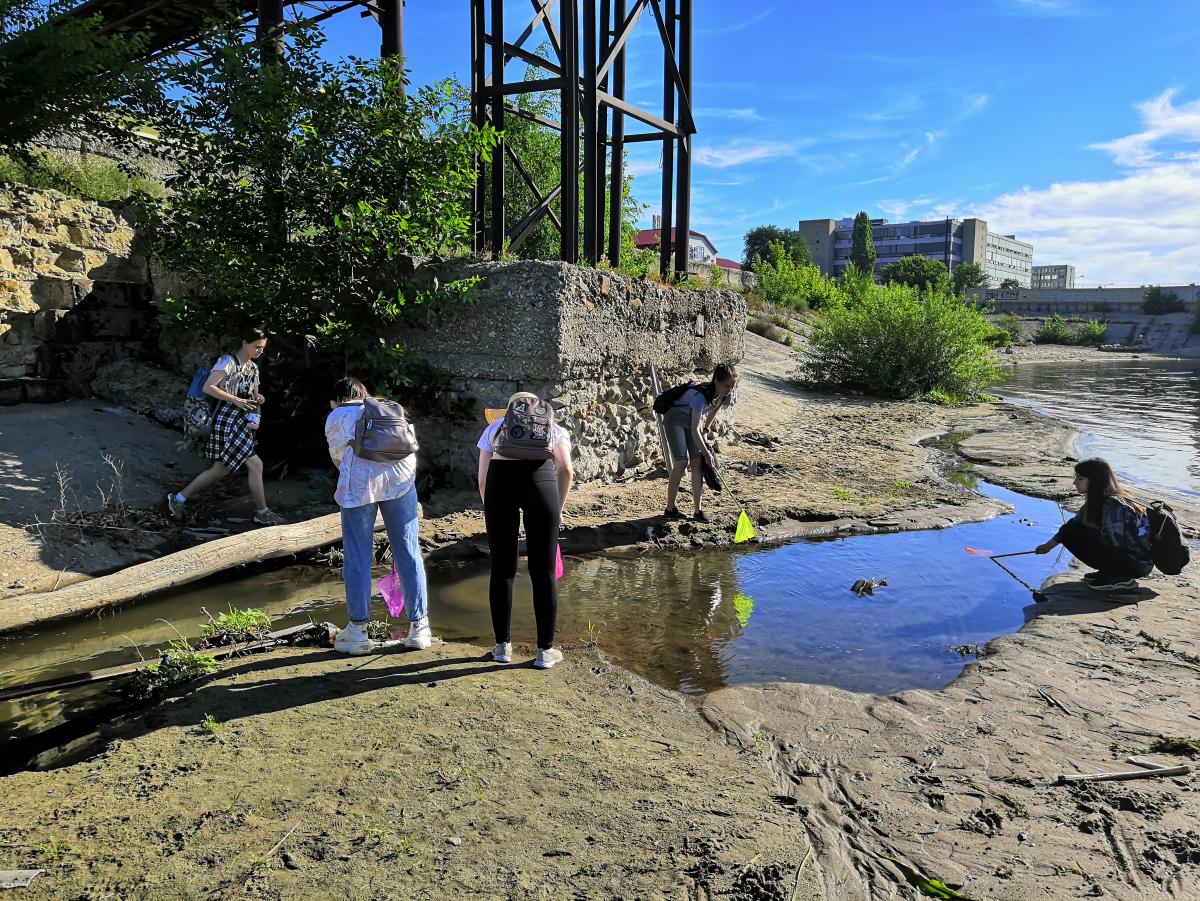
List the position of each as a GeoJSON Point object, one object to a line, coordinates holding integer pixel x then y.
{"type": "Point", "coordinates": [383, 433]}
{"type": "Point", "coordinates": [198, 407]}
{"type": "Point", "coordinates": [671, 396]}
{"type": "Point", "coordinates": [527, 430]}
{"type": "Point", "coordinates": [1167, 547]}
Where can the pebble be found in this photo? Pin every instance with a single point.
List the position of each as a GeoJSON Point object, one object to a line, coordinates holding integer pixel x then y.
{"type": "Point", "coordinates": [454, 840]}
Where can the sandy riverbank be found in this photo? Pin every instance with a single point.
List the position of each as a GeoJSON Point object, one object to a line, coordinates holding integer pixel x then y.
{"type": "Point", "coordinates": [956, 781]}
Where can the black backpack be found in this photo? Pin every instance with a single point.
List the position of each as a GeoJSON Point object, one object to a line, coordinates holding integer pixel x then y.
{"type": "Point", "coordinates": [1167, 547]}
{"type": "Point", "coordinates": [383, 432]}
{"type": "Point", "coordinates": [671, 396]}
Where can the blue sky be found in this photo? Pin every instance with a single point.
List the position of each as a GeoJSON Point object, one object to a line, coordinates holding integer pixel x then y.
{"type": "Point", "coordinates": [1073, 123]}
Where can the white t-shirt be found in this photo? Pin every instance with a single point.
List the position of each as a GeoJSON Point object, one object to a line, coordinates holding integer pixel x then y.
{"type": "Point", "coordinates": [363, 481]}
{"type": "Point", "coordinates": [487, 441]}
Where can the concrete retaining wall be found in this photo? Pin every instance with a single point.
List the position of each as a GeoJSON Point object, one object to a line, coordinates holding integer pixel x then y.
{"type": "Point", "coordinates": [583, 339]}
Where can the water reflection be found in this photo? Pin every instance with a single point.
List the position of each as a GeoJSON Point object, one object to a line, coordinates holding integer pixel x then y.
{"type": "Point", "coordinates": [1143, 417]}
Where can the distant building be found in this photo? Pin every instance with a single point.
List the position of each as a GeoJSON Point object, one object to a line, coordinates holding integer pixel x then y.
{"type": "Point", "coordinates": [1053, 277]}
{"type": "Point", "coordinates": [700, 248]}
{"type": "Point", "coordinates": [702, 253]}
{"type": "Point", "coordinates": [952, 241]}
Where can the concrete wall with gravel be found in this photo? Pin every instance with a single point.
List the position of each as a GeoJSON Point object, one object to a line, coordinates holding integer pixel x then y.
{"type": "Point", "coordinates": [582, 338]}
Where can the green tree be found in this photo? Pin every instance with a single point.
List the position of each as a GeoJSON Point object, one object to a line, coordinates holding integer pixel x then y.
{"type": "Point", "coordinates": [786, 282]}
{"type": "Point", "coordinates": [301, 192]}
{"type": "Point", "coordinates": [862, 250]}
{"type": "Point", "coordinates": [917, 272]}
{"type": "Point", "coordinates": [968, 279]}
{"type": "Point", "coordinates": [58, 72]}
{"type": "Point", "coordinates": [1157, 301]}
{"type": "Point", "coordinates": [1010, 284]}
{"type": "Point", "coordinates": [759, 241]}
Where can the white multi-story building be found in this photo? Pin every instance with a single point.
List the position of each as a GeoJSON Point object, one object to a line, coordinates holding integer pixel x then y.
{"type": "Point", "coordinates": [1057, 277]}
{"type": "Point", "coordinates": [951, 241]}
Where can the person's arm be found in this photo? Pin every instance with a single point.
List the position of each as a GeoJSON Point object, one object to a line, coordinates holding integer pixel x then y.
{"type": "Point", "coordinates": [339, 433]}
{"type": "Point", "coordinates": [698, 434]}
{"type": "Point", "coordinates": [212, 389]}
{"type": "Point", "coordinates": [485, 459]}
{"type": "Point", "coordinates": [565, 472]}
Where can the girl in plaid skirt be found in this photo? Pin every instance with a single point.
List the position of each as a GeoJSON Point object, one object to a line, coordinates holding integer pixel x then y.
{"type": "Point", "coordinates": [233, 383]}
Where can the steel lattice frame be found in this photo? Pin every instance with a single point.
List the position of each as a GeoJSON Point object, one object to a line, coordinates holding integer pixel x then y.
{"type": "Point", "coordinates": [591, 87]}
{"type": "Point", "coordinates": [587, 71]}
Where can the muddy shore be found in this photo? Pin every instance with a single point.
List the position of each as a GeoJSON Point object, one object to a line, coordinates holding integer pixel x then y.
{"type": "Point", "coordinates": [587, 782]}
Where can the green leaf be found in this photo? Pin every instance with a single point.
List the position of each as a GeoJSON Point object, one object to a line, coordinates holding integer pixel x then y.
{"type": "Point", "coordinates": [934, 888]}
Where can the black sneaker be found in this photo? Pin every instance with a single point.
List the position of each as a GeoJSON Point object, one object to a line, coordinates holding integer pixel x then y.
{"type": "Point", "coordinates": [1091, 577]}
{"type": "Point", "coordinates": [701, 516]}
{"type": "Point", "coordinates": [1105, 582]}
{"type": "Point", "coordinates": [672, 513]}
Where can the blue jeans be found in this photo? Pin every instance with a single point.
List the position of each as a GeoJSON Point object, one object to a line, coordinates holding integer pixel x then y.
{"type": "Point", "coordinates": [358, 541]}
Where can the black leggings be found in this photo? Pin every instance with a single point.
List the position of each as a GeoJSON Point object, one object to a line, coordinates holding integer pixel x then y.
{"type": "Point", "coordinates": [513, 487]}
{"type": "Point", "coordinates": [1088, 548]}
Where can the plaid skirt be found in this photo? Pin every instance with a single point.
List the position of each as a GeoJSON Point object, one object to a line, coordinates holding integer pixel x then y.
{"type": "Point", "coordinates": [231, 441]}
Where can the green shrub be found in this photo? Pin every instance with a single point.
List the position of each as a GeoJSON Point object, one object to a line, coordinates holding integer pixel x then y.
{"type": "Point", "coordinates": [1053, 331]}
{"type": "Point", "coordinates": [236, 626]}
{"type": "Point", "coordinates": [786, 282]}
{"type": "Point", "coordinates": [178, 664]}
{"type": "Point", "coordinates": [1196, 321]}
{"type": "Point", "coordinates": [1011, 323]}
{"type": "Point", "coordinates": [91, 178]}
{"type": "Point", "coordinates": [767, 329]}
{"type": "Point", "coordinates": [1093, 333]}
{"type": "Point", "coordinates": [1156, 302]}
{"type": "Point", "coordinates": [894, 341]}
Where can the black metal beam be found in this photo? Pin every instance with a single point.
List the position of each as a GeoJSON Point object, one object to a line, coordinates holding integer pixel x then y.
{"type": "Point", "coordinates": [616, 176]}
{"type": "Point", "coordinates": [497, 120]}
{"type": "Point", "coordinates": [391, 24]}
{"type": "Point", "coordinates": [683, 148]}
{"type": "Point", "coordinates": [569, 145]}
{"type": "Point", "coordinates": [588, 112]}
{"type": "Point", "coordinates": [478, 119]}
{"type": "Point", "coordinates": [666, 217]}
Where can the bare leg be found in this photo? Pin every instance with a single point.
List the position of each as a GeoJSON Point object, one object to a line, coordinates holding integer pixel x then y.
{"type": "Point", "coordinates": [673, 482]}
{"type": "Point", "coordinates": [254, 475]}
{"type": "Point", "coordinates": [697, 484]}
{"type": "Point", "coordinates": [206, 479]}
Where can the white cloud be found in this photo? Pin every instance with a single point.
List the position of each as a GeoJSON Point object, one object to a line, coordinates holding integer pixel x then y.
{"type": "Point", "coordinates": [739, 26]}
{"type": "Point", "coordinates": [974, 104]}
{"type": "Point", "coordinates": [1163, 121]}
{"type": "Point", "coordinates": [715, 112]}
{"type": "Point", "coordinates": [738, 153]}
{"type": "Point", "coordinates": [1045, 8]}
{"type": "Point", "coordinates": [1139, 227]}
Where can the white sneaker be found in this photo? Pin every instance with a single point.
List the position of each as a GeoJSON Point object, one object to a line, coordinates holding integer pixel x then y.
{"type": "Point", "coordinates": [353, 640]}
{"type": "Point", "coordinates": [547, 658]}
{"type": "Point", "coordinates": [419, 636]}
{"type": "Point", "coordinates": [502, 653]}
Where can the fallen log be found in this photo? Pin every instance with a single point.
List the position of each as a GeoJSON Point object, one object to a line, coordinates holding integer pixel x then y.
{"type": "Point", "coordinates": [170, 571]}
{"type": "Point", "coordinates": [1148, 772]}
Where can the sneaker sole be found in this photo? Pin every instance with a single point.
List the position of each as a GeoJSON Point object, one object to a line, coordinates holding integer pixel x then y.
{"type": "Point", "coordinates": [1120, 586]}
{"type": "Point", "coordinates": [356, 650]}
{"type": "Point", "coordinates": [421, 644]}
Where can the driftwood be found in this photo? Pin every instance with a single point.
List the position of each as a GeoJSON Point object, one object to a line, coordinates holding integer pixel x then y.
{"type": "Point", "coordinates": [1148, 771]}
{"type": "Point", "coordinates": [170, 571]}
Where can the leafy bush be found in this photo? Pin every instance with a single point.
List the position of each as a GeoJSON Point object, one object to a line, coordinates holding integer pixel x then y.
{"type": "Point", "coordinates": [894, 341]}
{"type": "Point", "coordinates": [786, 282]}
{"type": "Point", "coordinates": [91, 178]}
{"type": "Point", "coordinates": [1053, 331]}
{"type": "Point", "coordinates": [917, 272]}
{"type": "Point", "coordinates": [1011, 324]}
{"type": "Point", "coordinates": [1156, 302]}
{"type": "Point", "coordinates": [1093, 333]}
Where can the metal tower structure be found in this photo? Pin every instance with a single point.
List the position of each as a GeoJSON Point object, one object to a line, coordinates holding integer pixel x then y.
{"type": "Point", "coordinates": [588, 41]}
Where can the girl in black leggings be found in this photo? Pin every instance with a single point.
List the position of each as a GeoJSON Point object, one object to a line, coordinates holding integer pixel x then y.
{"type": "Point", "coordinates": [537, 488]}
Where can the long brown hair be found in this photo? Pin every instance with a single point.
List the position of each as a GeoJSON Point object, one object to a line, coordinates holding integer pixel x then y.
{"type": "Point", "coordinates": [1102, 484]}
